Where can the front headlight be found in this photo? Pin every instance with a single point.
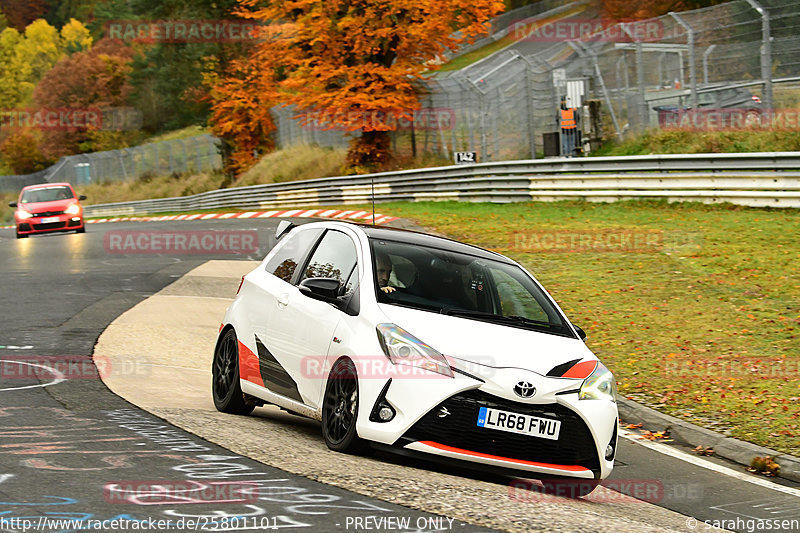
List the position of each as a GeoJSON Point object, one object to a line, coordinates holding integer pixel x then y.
{"type": "Point", "coordinates": [23, 215]}
{"type": "Point", "coordinates": [600, 385]}
{"type": "Point", "coordinates": [73, 209]}
{"type": "Point", "coordinates": [403, 348]}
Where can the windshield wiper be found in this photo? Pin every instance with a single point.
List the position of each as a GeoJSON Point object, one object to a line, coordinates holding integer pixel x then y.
{"type": "Point", "coordinates": [516, 319]}
{"type": "Point", "coordinates": [526, 320]}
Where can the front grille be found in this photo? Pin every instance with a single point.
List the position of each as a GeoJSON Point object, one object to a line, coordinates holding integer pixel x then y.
{"type": "Point", "coordinates": [575, 445]}
{"type": "Point", "coordinates": [48, 213]}
{"type": "Point", "coordinates": [49, 225]}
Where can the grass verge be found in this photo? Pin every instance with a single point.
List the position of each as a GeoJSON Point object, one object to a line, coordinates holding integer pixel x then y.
{"type": "Point", "coordinates": [680, 141]}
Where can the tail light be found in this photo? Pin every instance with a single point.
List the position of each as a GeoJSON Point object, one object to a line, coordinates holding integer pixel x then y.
{"type": "Point", "coordinates": [240, 285]}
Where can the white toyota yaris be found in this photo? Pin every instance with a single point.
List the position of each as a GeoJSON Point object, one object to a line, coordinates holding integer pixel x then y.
{"type": "Point", "coordinates": [417, 344]}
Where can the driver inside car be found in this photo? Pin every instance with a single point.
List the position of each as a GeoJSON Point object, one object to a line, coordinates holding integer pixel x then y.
{"type": "Point", "coordinates": [384, 271]}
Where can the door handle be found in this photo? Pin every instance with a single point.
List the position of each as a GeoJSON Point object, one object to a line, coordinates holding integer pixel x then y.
{"type": "Point", "coordinates": [283, 300]}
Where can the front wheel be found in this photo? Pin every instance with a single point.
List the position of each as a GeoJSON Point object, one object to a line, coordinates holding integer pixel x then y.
{"type": "Point", "coordinates": [340, 410]}
{"type": "Point", "coordinates": [225, 387]}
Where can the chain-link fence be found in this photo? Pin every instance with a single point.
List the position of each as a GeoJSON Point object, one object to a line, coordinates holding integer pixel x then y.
{"type": "Point", "coordinates": [742, 55]}
{"type": "Point", "coordinates": [177, 156]}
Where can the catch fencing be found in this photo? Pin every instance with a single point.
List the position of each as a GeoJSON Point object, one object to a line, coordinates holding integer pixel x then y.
{"type": "Point", "coordinates": [502, 106]}
{"type": "Point", "coordinates": [194, 154]}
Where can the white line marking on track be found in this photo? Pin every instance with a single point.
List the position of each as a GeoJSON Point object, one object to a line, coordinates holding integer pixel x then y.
{"type": "Point", "coordinates": [59, 377]}
{"type": "Point", "coordinates": [683, 456]}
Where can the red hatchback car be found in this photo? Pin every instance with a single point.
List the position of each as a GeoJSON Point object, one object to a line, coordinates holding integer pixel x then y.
{"type": "Point", "coordinates": [46, 208]}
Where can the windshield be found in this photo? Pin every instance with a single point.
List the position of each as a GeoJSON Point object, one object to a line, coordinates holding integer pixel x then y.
{"type": "Point", "coordinates": [46, 194]}
{"type": "Point", "coordinates": [459, 284]}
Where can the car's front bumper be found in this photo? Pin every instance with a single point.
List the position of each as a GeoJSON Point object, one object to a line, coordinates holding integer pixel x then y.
{"type": "Point", "coordinates": [439, 417]}
{"type": "Point", "coordinates": [36, 225]}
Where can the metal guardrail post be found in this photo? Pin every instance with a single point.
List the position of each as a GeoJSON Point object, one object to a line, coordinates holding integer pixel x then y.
{"type": "Point", "coordinates": [692, 65]}
{"type": "Point", "coordinates": [644, 113]}
{"type": "Point", "coordinates": [577, 46]}
{"type": "Point", "coordinates": [766, 53]}
{"type": "Point", "coordinates": [529, 106]}
{"type": "Point", "coordinates": [705, 62]}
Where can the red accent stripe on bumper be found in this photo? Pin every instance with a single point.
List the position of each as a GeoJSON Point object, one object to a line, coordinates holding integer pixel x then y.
{"type": "Point", "coordinates": [444, 447]}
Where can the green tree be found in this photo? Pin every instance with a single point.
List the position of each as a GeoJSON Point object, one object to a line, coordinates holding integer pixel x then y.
{"type": "Point", "coordinates": [10, 91]}
{"type": "Point", "coordinates": [75, 37]}
{"type": "Point", "coordinates": [21, 152]}
{"type": "Point", "coordinates": [169, 77]}
{"type": "Point", "coordinates": [35, 55]}
{"type": "Point", "coordinates": [85, 82]}
{"type": "Point", "coordinates": [26, 58]}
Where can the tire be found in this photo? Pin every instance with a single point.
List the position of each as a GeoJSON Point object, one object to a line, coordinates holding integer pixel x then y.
{"type": "Point", "coordinates": [225, 387]}
{"type": "Point", "coordinates": [569, 488]}
{"type": "Point", "coordinates": [21, 236]}
{"type": "Point", "coordinates": [82, 230]}
{"type": "Point", "coordinates": [340, 410]}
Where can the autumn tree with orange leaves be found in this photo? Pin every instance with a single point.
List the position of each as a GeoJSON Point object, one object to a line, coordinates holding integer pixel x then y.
{"type": "Point", "coordinates": [349, 64]}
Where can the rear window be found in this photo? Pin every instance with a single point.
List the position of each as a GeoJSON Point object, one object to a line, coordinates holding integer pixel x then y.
{"type": "Point", "coordinates": [291, 252]}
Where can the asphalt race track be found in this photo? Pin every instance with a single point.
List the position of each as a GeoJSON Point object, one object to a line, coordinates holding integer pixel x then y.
{"type": "Point", "coordinates": [72, 450]}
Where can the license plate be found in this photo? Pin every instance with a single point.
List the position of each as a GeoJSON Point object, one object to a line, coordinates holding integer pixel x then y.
{"type": "Point", "coordinates": [48, 220]}
{"type": "Point", "coordinates": [544, 428]}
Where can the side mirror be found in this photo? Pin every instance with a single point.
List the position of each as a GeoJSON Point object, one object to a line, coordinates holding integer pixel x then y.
{"type": "Point", "coordinates": [581, 333]}
{"type": "Point", "coordinates": [82, 197]}
{"type": "Point", "coordinates": [12, 204]}
{"type": "Point", "coordinates": [324, 289]}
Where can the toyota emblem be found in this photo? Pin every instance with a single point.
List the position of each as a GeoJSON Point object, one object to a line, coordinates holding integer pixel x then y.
{"type": "Point", "coordinates": [524, 389]}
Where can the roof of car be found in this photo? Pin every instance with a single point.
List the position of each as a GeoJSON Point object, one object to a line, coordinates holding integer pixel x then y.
{"type": "Point", "coordinates": [425, 239]}
{"type": "Point", "coordinates": [44, 185]}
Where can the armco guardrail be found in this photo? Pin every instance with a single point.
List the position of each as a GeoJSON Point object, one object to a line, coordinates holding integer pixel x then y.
{"type": "Point", "coordinates": [753, 179]}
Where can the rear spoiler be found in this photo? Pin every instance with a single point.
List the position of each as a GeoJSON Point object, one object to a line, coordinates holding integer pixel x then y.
{"type": "Point", "coordinates": [283, 228]}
